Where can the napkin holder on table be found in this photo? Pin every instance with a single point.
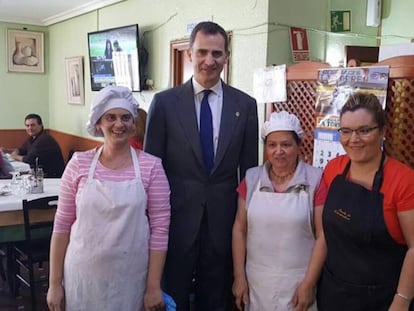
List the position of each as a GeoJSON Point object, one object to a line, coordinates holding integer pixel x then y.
{"type": "Point", "coordinates": [37, 181]}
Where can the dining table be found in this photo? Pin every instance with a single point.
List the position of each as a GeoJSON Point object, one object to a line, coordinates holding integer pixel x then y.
{"type": "Point", "coordinates": [12, 221]}
{"type": "Point", "coordinates": [18, 166]}
{"type": "Point", "coordinates": [11, 208]}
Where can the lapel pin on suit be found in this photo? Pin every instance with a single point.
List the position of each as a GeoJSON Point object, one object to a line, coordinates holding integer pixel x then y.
{"type": "Point", "coordinates": [237, 114]}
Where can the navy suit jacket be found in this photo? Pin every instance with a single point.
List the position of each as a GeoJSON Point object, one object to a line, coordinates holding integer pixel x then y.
{"type": "Point", "coordinates": [172, 134]}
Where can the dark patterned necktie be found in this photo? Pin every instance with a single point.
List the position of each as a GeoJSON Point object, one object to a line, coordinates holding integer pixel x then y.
{"type": "Point", "coordinates": [206, 133]}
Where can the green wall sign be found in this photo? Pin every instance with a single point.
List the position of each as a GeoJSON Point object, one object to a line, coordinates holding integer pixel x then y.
{"type": "Point", "coordinates": [340, 21]}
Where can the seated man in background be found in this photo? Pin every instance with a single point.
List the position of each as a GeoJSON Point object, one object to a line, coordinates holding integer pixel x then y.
{"type": "Point", "coordinates": [40, 147]}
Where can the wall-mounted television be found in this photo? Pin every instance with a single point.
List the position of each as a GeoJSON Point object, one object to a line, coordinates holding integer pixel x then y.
{"type": "Point", "coordinates": [114, 57]}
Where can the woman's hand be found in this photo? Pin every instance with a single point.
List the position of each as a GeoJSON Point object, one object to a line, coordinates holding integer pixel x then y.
{"type": "Point", "coordinates": [153, 300]}
{"type": "Point", "coordinates": [303, 297]}
{"type": "Point", "coordinates": [55, 298]}
{"type": "Point", "coordinates": [240, 292]}
{"type": "Point", "coordinates": [399, 304]}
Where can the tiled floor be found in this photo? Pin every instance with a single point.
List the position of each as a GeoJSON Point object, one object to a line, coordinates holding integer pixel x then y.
{"type": "Point", "coordinates": [23, 302]}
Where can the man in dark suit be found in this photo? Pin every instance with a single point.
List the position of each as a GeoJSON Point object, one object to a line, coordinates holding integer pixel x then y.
{"type": "Point", "coordinates": [203, 194]}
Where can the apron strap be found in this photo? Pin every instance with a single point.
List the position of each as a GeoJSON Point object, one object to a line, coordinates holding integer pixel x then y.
{"type": "Point", "coordinates": [137, 169]}
{"type": "Point", "coordinates": [94, 162]}
{"type": "Point", "coordinates": [95, 159]}
{"type": "Point", "coordinates": [346, 169]}
{"type": "Point", "coordinates": [375, 191]}
{"type": "Point", "coordinates": [379, 176]}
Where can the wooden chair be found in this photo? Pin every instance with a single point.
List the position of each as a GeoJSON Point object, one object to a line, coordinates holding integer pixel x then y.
{"type": "Point", "coordinates": [3, 255]}
{"type": "Point", "coordinates": [35, 248]}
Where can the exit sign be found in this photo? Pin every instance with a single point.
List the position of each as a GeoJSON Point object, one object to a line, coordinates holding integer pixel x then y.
{"type": "Point", "coordinates": [340, 21]}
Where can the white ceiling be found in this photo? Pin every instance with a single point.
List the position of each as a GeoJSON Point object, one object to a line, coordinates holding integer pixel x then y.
{"type": "Point", "coordinates": [47, 12]}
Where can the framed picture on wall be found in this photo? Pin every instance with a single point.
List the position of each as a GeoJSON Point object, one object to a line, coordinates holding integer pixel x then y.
{"type": "Point", "coordinates": [25, 51]}
{"type": "Point", "coordinates": [74, 80]}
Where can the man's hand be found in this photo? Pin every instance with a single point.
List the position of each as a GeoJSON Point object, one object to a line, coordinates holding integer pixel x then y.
{"type": "Point", "coordinates": [15, 155]}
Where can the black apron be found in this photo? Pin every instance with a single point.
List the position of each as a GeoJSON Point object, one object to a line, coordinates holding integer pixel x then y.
{"type": "Point", "coordinates": [363, 262]}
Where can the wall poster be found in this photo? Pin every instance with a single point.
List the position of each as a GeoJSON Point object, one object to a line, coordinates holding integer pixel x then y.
{"type": "Point", "coordinates": [334, 86]}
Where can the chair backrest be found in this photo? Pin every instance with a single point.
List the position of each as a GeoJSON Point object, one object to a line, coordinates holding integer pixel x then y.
{"type": "Point", "coordinates": [38, 217]}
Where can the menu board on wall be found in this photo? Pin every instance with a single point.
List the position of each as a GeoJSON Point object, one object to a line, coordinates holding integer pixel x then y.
{"type": "Point", "coordinates": [334, 86]}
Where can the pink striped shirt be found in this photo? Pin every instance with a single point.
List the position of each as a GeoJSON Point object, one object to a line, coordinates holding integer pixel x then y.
{"type": "Point", "coordinates": [153, 178]}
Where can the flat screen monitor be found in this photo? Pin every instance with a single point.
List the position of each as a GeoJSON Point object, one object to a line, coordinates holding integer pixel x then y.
{"type": "Point", "coordinates": [113, 58]}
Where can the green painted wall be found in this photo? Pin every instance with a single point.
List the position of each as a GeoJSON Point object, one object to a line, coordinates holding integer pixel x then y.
{"type": "Point", "coordinates": [22, 93]}
{"type": "Point", "coordinates": [161, 22]}
{"type": "Point", "coordinates": [296, 13]}
{"type": "Point", "coordinates": [359, 34]}
{"type": "Point", "coordinates": [397, 21]}
{"type": "Point", "coordinates": [257, 41]}
{"type": "Point", "coordinates": [69, 39]}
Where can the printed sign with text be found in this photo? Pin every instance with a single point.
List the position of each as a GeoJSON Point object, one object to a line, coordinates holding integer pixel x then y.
{"type": "Point", "coordinates": [300, 45]}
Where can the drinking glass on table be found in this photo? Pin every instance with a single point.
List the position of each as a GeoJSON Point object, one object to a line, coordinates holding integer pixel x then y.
{"type": "Point", "coordinates": [14, 184]}
{"type": "Point", "coordinates": [27, 183]}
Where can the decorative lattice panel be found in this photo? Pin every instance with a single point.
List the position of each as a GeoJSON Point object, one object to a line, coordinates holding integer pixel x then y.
{"type": "Point", "coordinates": [399, 135]}
{"type": "Point", "coordinates": [301, 97]}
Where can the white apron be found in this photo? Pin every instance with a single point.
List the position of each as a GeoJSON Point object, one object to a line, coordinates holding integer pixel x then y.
{"type": "Point", "coordinates": [279, 245]}
{"type": "Point", "coordinates": [107, 257]}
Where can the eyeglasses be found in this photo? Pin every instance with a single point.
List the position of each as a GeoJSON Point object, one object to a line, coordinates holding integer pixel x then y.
{"type": "Point", "coordinates": [361, 132]}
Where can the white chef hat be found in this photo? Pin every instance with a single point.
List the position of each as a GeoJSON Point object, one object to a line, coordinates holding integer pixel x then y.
{"type": "Point", "coordinates": [281, 121]}
{"type": "Point", "coordinates": [108, 98]}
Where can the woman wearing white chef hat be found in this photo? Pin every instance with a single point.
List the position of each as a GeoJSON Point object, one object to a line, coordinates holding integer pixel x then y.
{"type": "Point", "coordinates": [111, 227]}
{"type": "Point", "coordinates": [276, 254]}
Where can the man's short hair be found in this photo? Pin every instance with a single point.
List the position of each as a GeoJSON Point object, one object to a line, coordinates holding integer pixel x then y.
{"type": "Point", "coordinates": [211, 29]}
{"type": "Point", "coordinates": [34, 116]}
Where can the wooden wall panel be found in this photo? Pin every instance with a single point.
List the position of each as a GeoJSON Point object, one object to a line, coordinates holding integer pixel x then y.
{"type": "Point", "coordinates": [67, 142]}
{"type": "Point", "coordinates": [12, 138]}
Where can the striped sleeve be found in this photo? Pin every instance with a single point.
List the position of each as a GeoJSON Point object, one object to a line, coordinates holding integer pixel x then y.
{"type": "Point", "coordinates": [158, 205]}
{"type": "Point", "coordinates": [66, 211]}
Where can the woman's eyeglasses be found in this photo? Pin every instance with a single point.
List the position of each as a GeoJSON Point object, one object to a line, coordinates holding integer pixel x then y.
{"type": "Point", "coordinates": [361, 132]}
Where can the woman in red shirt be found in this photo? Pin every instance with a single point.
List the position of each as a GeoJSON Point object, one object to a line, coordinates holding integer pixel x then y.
{"type": "Point", "coordinates": [367, 219]}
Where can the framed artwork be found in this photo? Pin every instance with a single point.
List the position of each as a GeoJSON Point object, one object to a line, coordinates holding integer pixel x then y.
{"type": "Point", "coordinates": [74, 80]}
{"type": "Point", "coordinates": [25, 51]}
